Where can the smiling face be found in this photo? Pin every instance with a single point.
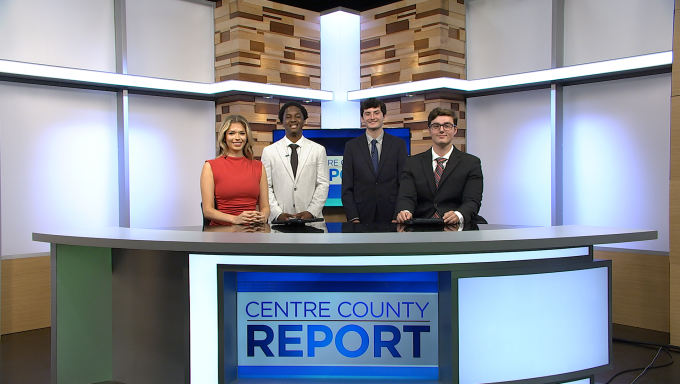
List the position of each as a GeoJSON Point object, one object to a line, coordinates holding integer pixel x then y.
{"type": "Point", "coordinates": [235, 139]}
{"type": "Point", "coordinates": [373, 118]}
{"type": "Point", "coordinates": [293, 121]}
{"type": "Point", "coordinates": [442, 131]}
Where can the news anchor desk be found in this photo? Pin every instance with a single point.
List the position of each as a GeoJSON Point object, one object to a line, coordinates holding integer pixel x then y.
{"type": "Point", "coordinates": [521, 305]}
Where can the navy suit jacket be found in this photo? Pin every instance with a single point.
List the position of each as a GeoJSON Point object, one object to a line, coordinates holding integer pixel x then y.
{"type": "Point", "coordinates": [460, 188]}
{"type": "Point", "coordinates": [369, 196]}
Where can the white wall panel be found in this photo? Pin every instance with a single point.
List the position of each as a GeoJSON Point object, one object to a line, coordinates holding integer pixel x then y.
{"type": "Point", "coordinates": [569, 309]}
{"type": "Point", "coordinates": [609, 29]}
{"type": "Point", "coordinates": [170, 139]}
{"type": "Point", "coordinates": [65, 33]}
{"type": "Point", "coordinates": [340, 68]}
{"type": "Point", "coordinates": [507, 36]}
{"type": "Point", "coordinates": [58, 162]}
{"type": "Point", "coordinates": [511, 134]}
{"type": "Point", "coordinates": [617, 156]}
{"type": "Point", "coordinates": [171, 39]}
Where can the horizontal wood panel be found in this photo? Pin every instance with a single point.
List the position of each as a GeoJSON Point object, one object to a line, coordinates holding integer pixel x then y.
{"type": "Point", "coordinates": [26, 294]}
{"type": "Point", "coordinates": [267, 42]}
{"type": "Point", "coordinates": [425, 44]}
{"type": "Point", "coordinates": [640, 289]}
{"type": "Point", "coordinates": [675, 308]}
{"type": "Point", "coordinates": [675, 90]}
{"type": "Point", "coordinates": [334, 215]}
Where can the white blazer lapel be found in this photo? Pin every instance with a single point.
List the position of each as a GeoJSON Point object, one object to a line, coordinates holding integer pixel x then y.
{"type": "Point", "coordinates": [304, 154]}
{"type": "Point", "coordinates": [285, 159]}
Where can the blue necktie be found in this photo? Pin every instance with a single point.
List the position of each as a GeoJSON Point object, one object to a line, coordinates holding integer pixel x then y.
{"type": "Point", "coordinates": [374, 155]}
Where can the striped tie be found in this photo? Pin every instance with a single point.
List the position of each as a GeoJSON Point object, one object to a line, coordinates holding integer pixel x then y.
{"type": "Point", "coordinates": [437, 178]}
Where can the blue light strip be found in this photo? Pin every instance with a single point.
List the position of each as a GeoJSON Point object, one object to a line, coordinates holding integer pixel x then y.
{"type": "Point", "coordinates": [352, 277]}
{"type": "Point", "coordinates": [339, 372]}
{"type": "Point", "coordinates": [334, 282]}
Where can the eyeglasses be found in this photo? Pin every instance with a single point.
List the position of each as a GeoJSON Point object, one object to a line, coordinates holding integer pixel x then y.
{"type": "Point", "coordinates": [446, 126]}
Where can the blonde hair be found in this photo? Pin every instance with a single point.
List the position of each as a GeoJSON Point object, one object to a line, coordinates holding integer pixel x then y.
{"type": "Point", "coordinates": [222, 148]}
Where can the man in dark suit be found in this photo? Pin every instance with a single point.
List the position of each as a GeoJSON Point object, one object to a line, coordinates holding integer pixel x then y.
{"type": "Point", "coordinates": [442, 182]}
{"type": "Point", "coordinates": [371, 167]}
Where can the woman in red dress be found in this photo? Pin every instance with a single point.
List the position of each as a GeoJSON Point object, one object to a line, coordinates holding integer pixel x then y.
{"type": "Point", "coordinates": [236, 181]}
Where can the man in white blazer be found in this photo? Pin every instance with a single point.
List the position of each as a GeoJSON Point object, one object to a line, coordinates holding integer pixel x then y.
{"type": "Point", "coordinates": [302, 192]}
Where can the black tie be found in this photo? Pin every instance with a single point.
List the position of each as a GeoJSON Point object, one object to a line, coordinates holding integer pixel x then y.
{"type": "Point", "coordinates": [294, 158]}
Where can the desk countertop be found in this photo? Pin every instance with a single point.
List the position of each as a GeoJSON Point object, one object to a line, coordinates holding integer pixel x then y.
{"type": "Point", "coordinates": [192, 239]}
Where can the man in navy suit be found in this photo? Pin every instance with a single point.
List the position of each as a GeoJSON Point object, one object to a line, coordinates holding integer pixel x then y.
{"type": "Point", "coordinates": [371, 167]}
{"type": "Point", "coordinates": [442, 182]}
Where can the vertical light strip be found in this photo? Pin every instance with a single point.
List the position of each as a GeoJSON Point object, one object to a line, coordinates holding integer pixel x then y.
{"type": "Point", "coordinates": [122, 118]}
{"type": "Point", "coordinates": [203, 318]}
{"type": "Point", "coordinates": [123, 159]}
{"type": "Point", "coordinates": [556, 117]}
{"type": "Point", "coordinates": [340, 67]}
{"type": "Point", "coordinates": [0, 243]}
{"type": "Point", "coordinates": [557, 155]}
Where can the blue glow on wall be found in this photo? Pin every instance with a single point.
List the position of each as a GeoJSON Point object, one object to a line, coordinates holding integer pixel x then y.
{"type": "Point", "coordinates": [617, 156]}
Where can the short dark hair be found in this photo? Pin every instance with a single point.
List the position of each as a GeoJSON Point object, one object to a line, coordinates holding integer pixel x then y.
{"type": "Point", "coordinates": [441, 112]}
{"type": "Point", "coordinates": [373, 103]}
{"type": "Point", "coordinates": [282, 111]}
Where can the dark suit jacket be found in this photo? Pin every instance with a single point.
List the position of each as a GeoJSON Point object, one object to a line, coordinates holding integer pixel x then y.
{"type": "Point", "coordinates": [460, 188]}
{"type": "Point", "coordinates": [365, 195]}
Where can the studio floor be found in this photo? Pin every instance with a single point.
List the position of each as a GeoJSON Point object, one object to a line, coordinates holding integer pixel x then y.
{"type": "Point", "coordinates": [25, 358]}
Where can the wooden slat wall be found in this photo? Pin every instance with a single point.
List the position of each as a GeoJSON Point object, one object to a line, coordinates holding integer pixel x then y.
{"type": "Point", "coordinates": [675, 189]}
{"type": "Point", "coordinates": [401, 42]}
{"type": "Point", "coordinates": [640, 289]}
{"type": "Point", "coordinates": [412, 112]}
{"type": "Point", "coordinates": [262, 114]}
{"type": "Point", "coordinates": [25, 294]}
{"type": "Point", "coordinates": [415, 40]}
{"type": "Point", "coordinates": [409, 112]}
{"type": "Point", "coordinates": [266, 42]}
{"type": "Point", "coordinates": [412, 40]}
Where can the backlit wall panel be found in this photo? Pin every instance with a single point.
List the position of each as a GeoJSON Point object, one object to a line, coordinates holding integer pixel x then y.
{"type": "Point", "coordinates": [66, 33]}
{"type": "Point", "coordinates": [58, 162]}
{"type": "Point", "coordinates": [617, 156]}
{"type": "Point", "coordinates": [170, 139]}
{"type": "Point", "coordinates": [567, 309]}
{"type": "Point", "coordinates": [511, 135]}
{"type": "Point", "coordinates": [507, 36]}
{"type": "Point", "coordinates": [171, 39]}
{"type": "Point", "coordinates": [340, 41]}
{"type": "Point", "coordinates": [610, 29]}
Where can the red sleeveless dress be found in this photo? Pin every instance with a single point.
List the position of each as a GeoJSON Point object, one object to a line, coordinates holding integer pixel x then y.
{"type": "Point", "coordinates": [237, 184]}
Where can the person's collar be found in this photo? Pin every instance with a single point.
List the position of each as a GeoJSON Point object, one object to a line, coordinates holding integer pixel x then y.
{"type": "Point", "coordinates": [379, 138]}
{"type": "Point", "coordinates": [446, 156]}
{"type": "Point", "coordinates": [288, 142]}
